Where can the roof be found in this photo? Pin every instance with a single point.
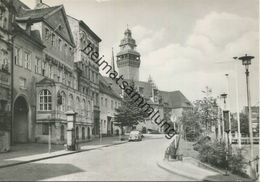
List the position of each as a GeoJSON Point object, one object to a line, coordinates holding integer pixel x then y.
{"type": "Point", "coordinates": [106, 88]}
{"type": "Point", "coordinates": [175, 99]}
{"type": "Point", "coordinates": [37, 15]}
{"type": "Point", "coordinates": [86, 27]}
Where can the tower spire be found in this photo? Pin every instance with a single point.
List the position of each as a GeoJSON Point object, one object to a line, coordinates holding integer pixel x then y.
{"type": "Point", "coordinates": [113, 61]}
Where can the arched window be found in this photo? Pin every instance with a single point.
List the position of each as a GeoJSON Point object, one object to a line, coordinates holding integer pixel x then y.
{"type": "Point", "coordinates": [83, 133]}
{"type": "Point", "coordinates": [78, 105]}
{"type": "Point", "coordinates": [83, 107]}
{"type": "Point", "coordinates": [71, 102]}
{"type": "Point", "coordinates": [45, 100]}
{"type": "Point", "coordinates": [89, 108]}
{"type": "Point", "coordinates": [64, 101]}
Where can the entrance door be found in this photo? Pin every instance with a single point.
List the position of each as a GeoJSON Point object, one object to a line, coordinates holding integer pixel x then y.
{"type": "Point", "coordinates": [20, 125]}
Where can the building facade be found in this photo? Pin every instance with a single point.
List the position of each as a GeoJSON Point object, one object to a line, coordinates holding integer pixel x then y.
{"type": "Point", "coordinates": [87, 70]}
{"type": "Point", "coordinates": [48, 77]}
{"type": "Point", "coordinates": [109, 102]}
{"type": "Point", "coordinates": [6, 19]}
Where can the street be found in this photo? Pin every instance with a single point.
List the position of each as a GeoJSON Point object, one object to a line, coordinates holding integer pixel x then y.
{"type": "Point", "coordinates": [129, 161]}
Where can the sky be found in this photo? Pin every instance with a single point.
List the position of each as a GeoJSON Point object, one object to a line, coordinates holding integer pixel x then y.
{"type": "Point", "coordinates": [185, 45]}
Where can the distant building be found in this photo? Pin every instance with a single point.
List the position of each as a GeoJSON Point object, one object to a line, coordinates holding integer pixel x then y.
{"type": "Point", "coordinates": [109, 102]}
{"type": "Point", "coordinates": [255, 117]}
{"type": "Point", "coordinates": [168, 104]}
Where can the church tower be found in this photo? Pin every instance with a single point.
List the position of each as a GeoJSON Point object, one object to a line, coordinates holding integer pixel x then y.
{"type": "Point", "coordinates": [128, 59]}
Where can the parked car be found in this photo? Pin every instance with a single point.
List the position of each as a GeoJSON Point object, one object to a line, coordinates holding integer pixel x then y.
{"type": "Point", "coordinates": [135, 136]}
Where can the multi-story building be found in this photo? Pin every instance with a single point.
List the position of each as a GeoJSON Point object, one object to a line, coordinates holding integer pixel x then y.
{"type": "Point", "coordinates": [6, 18]}
{"type": "Point", "coordinates": [109, 102]}
{"type": "Point", "coordinates": [46, 79]}
{"type": "Point", "coordinates": [87, 70]}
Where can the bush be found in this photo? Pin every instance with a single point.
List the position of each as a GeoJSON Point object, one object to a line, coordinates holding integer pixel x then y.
{"type": "Point", "coordinates": [214, 153]}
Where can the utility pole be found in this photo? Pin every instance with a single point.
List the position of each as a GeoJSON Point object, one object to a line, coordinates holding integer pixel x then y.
{"type": "Point", "coordinates": [246, 61]}
{"type": "Point", "coordinates": [228, 108]}
{"type": "Point", "coordinates": [237, 108]}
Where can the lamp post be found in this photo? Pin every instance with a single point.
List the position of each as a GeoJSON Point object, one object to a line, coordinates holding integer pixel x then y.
{"type": "Point", "coordinates": [71, 138]}
{"type": "Point", "coordinates": [226, 129]}
{"type": "Point", "coordinates": [246, 61]}
{"type": "Point", "coordinates": [224, 96]}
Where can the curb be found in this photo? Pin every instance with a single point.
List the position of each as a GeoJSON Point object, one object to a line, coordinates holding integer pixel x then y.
{"type": "Point", "coordinates": [174, 172]}
{"type": "Point", "coordinates": [58, 155]}
{"type": "Point", "coordinates": [183, 174]}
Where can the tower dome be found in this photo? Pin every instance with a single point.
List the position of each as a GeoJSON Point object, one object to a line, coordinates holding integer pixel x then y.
{"type": "Point", "coordinates": [128, 59]}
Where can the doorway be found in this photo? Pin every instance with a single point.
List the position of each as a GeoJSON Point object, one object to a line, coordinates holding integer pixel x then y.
{"type": "Point", "coordinates": [20, 121]}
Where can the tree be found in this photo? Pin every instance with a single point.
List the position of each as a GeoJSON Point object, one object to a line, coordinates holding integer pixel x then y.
{"type": "Point", "coordinates": [129, 113]}
{"type": "Point", "coordinates": [207, 109]}
{"type": "Point", "coordinates": [202, 116]}
{"type": "Point", "coordinates": [191, 124]}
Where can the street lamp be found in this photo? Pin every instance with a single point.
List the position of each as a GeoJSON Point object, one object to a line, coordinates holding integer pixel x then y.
{"type": "Point", "coordinates": [246, 61]}
{"type": "Point", "coordinates": [226, 129]}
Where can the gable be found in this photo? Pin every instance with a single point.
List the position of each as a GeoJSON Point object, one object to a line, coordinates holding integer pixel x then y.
{"type": "Point", "coordinates": [56, 18]}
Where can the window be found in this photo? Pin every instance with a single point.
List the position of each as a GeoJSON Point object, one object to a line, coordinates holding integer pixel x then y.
{"type": "Point", "coordinates": [96, 99]}
{"type": "Point", "coordinates": [141, 90]}
{"type": "Point", "coordinates": [70, 104]}
{"type": "Point", "coordinates": [45, 100]}
{"type": "Point", "coordinates": [38, 66]}
{"type": "Point", "coordinates": [27, 60]}
{"type": "Point", "coordinates": [112, 104]}
{"type": "Point", "coordinates": [83, 107]}
{"type": "Point", "coordinates": [4, 60]}
{"type": "Point", "coordinates": [53, 39]}
{"type": "Point", "coordinates": [63, 105]}
{"type": "Point", "coordinates": [116, 105]}
{"type": "Point", "coordinates": [43, 68]}
{"type": "Point", "coordinates": [47, 34]}
{"type": "Point", "coordinates": [18, 56]}
{"type": "Point", "coordinates": [22, 83]}
{"type": "Point", "coordinates": [60, 44]}
{"type": "Point", "coordinates": [102, 103]}
{"type": "Point", "coordinates": [45, 129]}
{"type": "Point", "coordinates": [106, 102]}
{"type": "Point", "coordinates": [78, 105]}
{"type": "Point", "coordinates": [50, 72]}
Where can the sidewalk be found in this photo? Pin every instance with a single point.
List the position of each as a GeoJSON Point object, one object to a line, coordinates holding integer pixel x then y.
{"type": "Point", "coordinates": [25, 153]}
{"type": "Point", "coordinates": [189, 169]}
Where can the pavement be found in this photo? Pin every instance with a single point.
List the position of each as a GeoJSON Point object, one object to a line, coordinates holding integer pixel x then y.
{"type": "Point", "coordinates": [31, 152]}
{"type": "Point", "coordinates": [190, 167]}
{"type": "Point", "coordinates": [197, 171]}
{"type": "Point", "coordinates": [131, 161]}
{"type": "Point", "coordinates": [108, 161]}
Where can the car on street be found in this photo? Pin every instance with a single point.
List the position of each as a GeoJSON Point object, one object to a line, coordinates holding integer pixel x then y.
{"type": "Point", "coordinates": [135, 136]}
